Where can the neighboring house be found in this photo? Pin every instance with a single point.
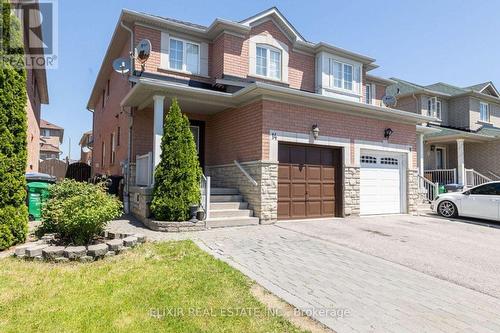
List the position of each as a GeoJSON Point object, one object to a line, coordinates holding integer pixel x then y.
{"type": "Point", "coordinates": [463, 144]}
{"type": "Point", "coordinates": [296, 127]}
{"type": "Point", "coordinates": [37, 91]}
{"type": "Point", "coordinates": [51, 138]}
{"type": "Point", "coordinates": [85, 144]}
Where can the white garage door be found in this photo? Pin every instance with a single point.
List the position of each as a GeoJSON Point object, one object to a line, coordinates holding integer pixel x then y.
{"type": "Point", "coordinates": [381, 188]}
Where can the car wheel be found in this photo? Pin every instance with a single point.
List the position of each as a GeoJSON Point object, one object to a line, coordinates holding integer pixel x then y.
{"type": "Point", "coordinates": [447, 209]}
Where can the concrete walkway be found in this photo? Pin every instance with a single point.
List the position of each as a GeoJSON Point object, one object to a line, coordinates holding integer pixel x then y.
{"type": "Point", "coordinates": [344, 288]}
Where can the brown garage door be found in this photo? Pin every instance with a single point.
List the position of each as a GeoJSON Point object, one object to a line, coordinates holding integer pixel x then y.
{"type": "Point", "coordinates": [308, 182]}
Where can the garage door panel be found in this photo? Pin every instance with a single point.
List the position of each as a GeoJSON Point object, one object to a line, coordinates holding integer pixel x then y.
{"type": "Point", "coordinates": [298, 191]}
{"type": "Point", "coordinates": [314, 191]}
{"type": "Point", "coordinates": [307, 181]}
{"type": "Point", "coordinates": [298, 172]}
{"type": "Point", "coordinates": [298, 209]}
{"type": "Point", "coordinates": [283, 172]}
{"type": "Point", "coordinates": [314, 208]}
{"type": "Point", "coordinates": [313, 173]}
{"type": "Point", "coordinates": [329, 208]}
{"type": "Point", "coordinates": [284, 209]}
{"type": "Point", "coordinates": [328, 191]}
{"type": "Point", "coordinates": [380, 183]}
{"type": "Point", "coordinates": [328, 173]}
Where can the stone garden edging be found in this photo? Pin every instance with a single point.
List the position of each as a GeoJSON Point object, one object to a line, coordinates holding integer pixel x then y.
{"type": "Point", "coordinates": [46, 249]}
{"type": "Point", "coordinates": [174, 226]}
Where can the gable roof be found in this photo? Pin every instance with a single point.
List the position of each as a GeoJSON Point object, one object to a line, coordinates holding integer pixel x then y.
{"type": "Point", "coordinates": [274, 13]}
{"type": "Point", "coordinates": [45, 124]}
{"type": "Point", "coordinates": [481, 87]}
{"type": "Point", "coordinates": [402, 87]}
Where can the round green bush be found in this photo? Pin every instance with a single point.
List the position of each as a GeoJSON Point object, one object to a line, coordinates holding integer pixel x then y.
{"type": "Point", "coordinates": [78, 212]}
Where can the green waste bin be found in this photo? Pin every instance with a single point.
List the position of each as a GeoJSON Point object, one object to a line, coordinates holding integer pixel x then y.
{"type": "Point", "coordinates": [38, 193]}
{"type": "Point", "coordinates": [442, 189]}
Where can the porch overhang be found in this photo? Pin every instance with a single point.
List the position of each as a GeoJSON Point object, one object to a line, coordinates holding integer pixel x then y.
{"type": "Point", "coordinates": [452, 135]}
{"type": "Point", "coordinates": [211, 101]}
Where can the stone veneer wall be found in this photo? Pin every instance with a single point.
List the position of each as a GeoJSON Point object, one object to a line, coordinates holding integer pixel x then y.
{"type": "Point", "coordinates": [140, 199]}
{"type": "Point", "coordinates": [414, 195]}
{"type": "Point", "coordinates": [351, 191]}
{"type": "Point", "coordinates": [263, 198]}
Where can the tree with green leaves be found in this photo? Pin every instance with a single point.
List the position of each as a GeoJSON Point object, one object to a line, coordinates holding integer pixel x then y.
{"type": "Point", "coordinates": [13, 125]}
{"type": "Point", "coordinates": [177, 176]}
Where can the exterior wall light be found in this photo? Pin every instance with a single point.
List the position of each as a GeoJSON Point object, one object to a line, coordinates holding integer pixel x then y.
{"type": "Point", "coordinates": [315, 131]}
{"type": "Point", "coordinates": [388, 132]}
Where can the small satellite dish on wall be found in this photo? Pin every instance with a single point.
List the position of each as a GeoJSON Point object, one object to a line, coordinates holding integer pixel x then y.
{"type": "Point", "coordinates": [143, 51]}
{"type": "Point", "coordinates": [389, 101]}
{"type": "Point", "coordinates": [122, 65]}
{"type": "Point", "coordinates": [86, 150]}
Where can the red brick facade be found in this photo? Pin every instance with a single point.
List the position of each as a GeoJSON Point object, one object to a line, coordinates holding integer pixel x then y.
{"type": "Point", "coordinates": [237, 133]}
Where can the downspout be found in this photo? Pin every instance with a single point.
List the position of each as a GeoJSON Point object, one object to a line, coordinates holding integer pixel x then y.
{"type": "Point", "coordinates": [126, 192]}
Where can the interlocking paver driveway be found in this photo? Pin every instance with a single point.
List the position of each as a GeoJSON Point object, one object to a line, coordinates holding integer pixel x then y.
{"type": "Point", "coordinates": [303, 265]}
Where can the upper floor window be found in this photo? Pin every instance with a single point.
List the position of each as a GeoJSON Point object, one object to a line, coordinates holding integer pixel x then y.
{"type": "Point", "coordinates": [434, 107]}
{"type": "Point", "coordinates": [369, 94]}
{"type": "Point", "coordinates": [268, 61]}
{"type": "Point", "coordinates": [341, 75]}
{"type": "Point", "coordinates": [184, 56]}
{"type": "Point", "coordinates": [484, 111]}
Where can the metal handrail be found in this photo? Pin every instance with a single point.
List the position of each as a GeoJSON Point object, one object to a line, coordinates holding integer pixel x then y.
{"type": "Point", "coordinates": [254, 183]}
{"type": "Point", "coordinates": [205, 185]}
{"type": "Point", "coordinates": [431, 189]}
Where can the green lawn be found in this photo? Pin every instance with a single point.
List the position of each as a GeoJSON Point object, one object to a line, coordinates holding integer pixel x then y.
{"type": "Point", "coordinates": [150, 289]}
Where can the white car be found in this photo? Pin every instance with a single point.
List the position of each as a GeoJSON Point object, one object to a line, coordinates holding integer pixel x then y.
{"type": "Point", "coordinates": [481, 202]}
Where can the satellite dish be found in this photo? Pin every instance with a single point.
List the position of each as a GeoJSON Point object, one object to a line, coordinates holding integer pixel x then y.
{"type": "Point", "coordinates": [86, 150]}
{"type": "Point", "coordinates": [389, 101]}
{"type": "Point", "coordinates": [122, 65]}
{"type": "Point", "coordinates": [143, 51]}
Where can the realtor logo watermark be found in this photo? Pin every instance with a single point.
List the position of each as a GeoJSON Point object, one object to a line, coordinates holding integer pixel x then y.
{"type": "Point", "coordinates": [38, 23]}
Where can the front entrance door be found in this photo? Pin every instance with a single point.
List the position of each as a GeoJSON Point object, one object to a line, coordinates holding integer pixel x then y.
{"type": "Point", "coordinates": [440, 158]}
{"type": "Point", "coordinates": [198, 130]}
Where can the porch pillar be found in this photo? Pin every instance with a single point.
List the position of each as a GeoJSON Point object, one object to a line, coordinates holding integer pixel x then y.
{"type": "Point", "coordinates": [420, 153]}
{"type": "Point", "coordinates": [461, 161]}
{"type": "Point", "coordinates": [157, 128]}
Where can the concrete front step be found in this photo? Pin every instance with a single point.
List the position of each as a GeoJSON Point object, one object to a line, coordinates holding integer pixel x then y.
{"type": "Point", "coordinates": [224, 191]}
{"type": "Point", "coordinates": [226, 198]}
{"type": "Point", "coordinates": [231, 213]}
{"type": "Point", "coordinates": [231, 222]}
{"type": "Point", "coordinates": [228, 205]}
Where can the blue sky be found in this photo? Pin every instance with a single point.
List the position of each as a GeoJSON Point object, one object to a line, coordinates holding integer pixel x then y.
{"type": "Point", "coordinates": [420, 41]}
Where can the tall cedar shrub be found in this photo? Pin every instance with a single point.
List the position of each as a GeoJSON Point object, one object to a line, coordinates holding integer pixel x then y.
{"type": "Point", "coordinates": [13, 125]}
{"type": "Point", "coordinates": [177, 176]}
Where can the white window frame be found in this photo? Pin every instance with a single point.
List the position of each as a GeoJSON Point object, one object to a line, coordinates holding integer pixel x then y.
{"type": "Point", "coordinates": [434, 107]}
{"type": "Point", "coordinates": [184, 55]}
{"type": "Point", "coordinates": [268, 49]}
{"type": "Point", "coordinates": [369, 93]}
{"type": "Point", "coordinates": [331, 75]}
{"type": "Point", "coordinates": [485, 115]}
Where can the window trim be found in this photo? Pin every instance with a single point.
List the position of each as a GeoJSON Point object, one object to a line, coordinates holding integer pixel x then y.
{"type": "Point", "coordinates": [488, 114]}
{"type": "Point", "coordinates": [331, 76]}
{"type": "Point", "coordinates": [184, 56]}
{"type": "Point", "coordinates": [369, 100]}
{"type": "Point", "coordinates": [268, 49]}
{"type": "Point", "coordinates": [435, 108]}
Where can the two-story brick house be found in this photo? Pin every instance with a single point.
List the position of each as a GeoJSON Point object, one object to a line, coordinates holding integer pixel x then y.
{"type": "Point", "coordinates": [297, 128]}
{"type": "Point", "coordinates": [463, 145]}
